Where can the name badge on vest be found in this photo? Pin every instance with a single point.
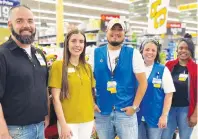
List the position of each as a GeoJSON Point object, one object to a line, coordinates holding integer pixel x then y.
{"type": "Point", "coordinates": [40, 59]}
{"type": "Point", "coordinates": [70, 70]}
{"type": "Point", "coordinates": [157, 82]}
{"type": "Point", "coordinates": [183, 77]}
{"type": "Point", "coordinates": [111, 86]}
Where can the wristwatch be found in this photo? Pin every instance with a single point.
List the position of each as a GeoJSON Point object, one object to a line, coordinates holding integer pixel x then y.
{"type": "Point", "coordinates": [137, 109]}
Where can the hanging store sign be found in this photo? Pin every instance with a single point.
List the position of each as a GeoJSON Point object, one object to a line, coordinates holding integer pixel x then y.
{"type": "Point", "coordinates": [174, 25]}
{"type": "Point", "coordinates": [186, 7]}
{"type": "Point", "coordinates": [105, 18]}
{"type": "Point", "coordinates": [175, 28]}
{"type": "Point", "coordinates": [5, 6]}
{"type": "Point", "coordinates": [157, 18]}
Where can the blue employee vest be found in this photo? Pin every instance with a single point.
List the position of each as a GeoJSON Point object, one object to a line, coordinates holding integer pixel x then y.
{"type": "Point", "coordinates": [123, 75]}
{"type": "Point", "coordinates": [152, 104]}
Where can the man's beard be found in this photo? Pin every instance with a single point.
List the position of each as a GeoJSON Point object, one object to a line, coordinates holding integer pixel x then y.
{"type": "Point", "coordinates": [115, 43]}
{"type": "Point", "coordinates": [24, 39]}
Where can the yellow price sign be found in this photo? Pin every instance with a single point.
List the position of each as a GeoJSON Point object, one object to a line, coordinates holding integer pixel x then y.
{"type": "Point", "coordinates": [158, 16]}
{"type": "Point", "coordinates": [187, 7]}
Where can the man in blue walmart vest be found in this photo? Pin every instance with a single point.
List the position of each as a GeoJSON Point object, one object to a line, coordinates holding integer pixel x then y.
{"type": "Point", "coordinates": [120, 85]}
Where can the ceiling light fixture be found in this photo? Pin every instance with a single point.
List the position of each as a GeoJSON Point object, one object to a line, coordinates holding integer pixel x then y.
{"type": "Point", "coordinates": [121, 1]}
{"type": "Point", "coordinates": [187, 31]}
{"type": "Point", "coordinates": [138, 22]}
{"type": "Point", "coordinates": [190, 22]}
{"type": "Point", "coordinates": [137, 31]}
{"type": "Point", "coordinates": [138, 27]}
{"type": "Point", "coordinates": [53, 19]}
{"type": "Point", "coordinates": [66, 14]}
{"type": "Point", "coordinates": [141, 4]}
{"type": "Point", "coordinates": [173, 19]}
{"type": "Point", "coordinates": [190, 28]}
{"type": "Point", "coordinates": [173, 9]}
{"type": "Point", "coordinates": [170, 9]}
{"type": "Point", "coordinates": [87, 7]}
{"type": "Point", "coordinates": [125, 1]}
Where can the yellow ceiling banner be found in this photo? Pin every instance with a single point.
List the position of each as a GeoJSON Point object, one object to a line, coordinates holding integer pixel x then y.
{"type": "Point", "coordinates": [158, 14]}
{"type": "Point", "coordinates": [186, 7]}
{"type": "Point", "coordinates": [59, 22]}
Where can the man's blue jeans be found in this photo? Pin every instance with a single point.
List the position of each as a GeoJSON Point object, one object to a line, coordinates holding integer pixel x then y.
{"type": "Point", "coordinates": [178, 118]}
{"type": "Point", "coordinates": [145, 132]}
{"type": "Point", "coordinates": [34, 131]}
{"type": "Point", "coordinates": [117, 123]}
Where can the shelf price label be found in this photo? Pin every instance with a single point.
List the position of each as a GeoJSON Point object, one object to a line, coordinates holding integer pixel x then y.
{"type": "Point", "coordinates": [4, 11]}
{"type": "Point", "coordinates": [157, 19]}
{"type": "Point", "coordinates": [5, 6]}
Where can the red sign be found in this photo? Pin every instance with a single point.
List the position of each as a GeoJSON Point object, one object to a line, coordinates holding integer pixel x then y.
{"type": "Point", "coordinates": [175, 28]}
{"type": "Point", "coordinates": [174, 25]}
{"type": "Point", "coordinates": [107, 17]}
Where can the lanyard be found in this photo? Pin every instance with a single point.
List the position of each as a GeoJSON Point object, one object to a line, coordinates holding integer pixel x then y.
{"type": "Point", "coordinates": [116, 63]}
{"type": "Point", "coordinates": [112, 72]}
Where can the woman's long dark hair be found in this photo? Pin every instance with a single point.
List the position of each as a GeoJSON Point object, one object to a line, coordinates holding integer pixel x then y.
{"type": "Point", "coordinates": [66, 56]}
{"type": "Point", "coordinates": [157, 58]}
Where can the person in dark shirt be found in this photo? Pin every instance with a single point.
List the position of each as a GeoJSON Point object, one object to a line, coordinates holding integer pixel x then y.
{"type": "Point", "coordinates": [23, 80]}
{"type": "Point", "coordinates": [183, 113]}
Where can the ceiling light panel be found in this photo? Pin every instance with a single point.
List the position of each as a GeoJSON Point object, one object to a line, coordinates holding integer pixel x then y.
{"type": "Point", "coordinates": [121, 1]}
{"type": "Point", "coordinates": [53, 19]}
{"type": "Point", "coordinates": [83, 6]}
{"type": "Point", "coordinates": [190, 28]}
{"type": "Point", "coordinates": [66, 14]}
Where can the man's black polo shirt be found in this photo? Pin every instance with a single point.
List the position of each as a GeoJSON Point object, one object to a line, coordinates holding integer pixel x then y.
{"type": "Point", "coordinates": [23, 85]}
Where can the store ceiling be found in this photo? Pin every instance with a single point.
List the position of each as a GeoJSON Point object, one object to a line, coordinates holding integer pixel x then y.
{"type": "Point", "coordinates": [77, 11]}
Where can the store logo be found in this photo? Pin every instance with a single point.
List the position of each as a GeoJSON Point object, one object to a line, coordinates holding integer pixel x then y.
{"type": "Point", "coordinates": [158, 14]}
{"type": "Point", "coordinates": [107, 17]}
{"type": "Point", "coordinates": [173, 25]}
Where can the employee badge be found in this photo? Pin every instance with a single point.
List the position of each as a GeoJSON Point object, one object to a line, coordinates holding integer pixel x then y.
{"type": "Point", "coordinates": [157, 82]}
{"type": "Point", "coordinates": [111, 86]}
{"type": "Point", "coordinates": [183, 77]}
{"type": "Point", "coordinates": [40, 59]}
{"type": "Point", "coordinates": [71, 70]}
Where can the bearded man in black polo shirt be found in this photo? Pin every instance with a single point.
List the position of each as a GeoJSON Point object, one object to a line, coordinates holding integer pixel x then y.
{"type": "Point", "coordinates": [23, 80]}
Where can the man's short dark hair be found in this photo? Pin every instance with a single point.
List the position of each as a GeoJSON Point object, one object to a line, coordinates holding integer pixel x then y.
{"type": "Point", "coordinates": [18, 6]}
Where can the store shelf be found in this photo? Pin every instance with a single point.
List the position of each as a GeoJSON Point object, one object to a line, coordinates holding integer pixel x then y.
{"type": "Point", "coordinates": [102, 43]}
{"type": "Point", "coordinates": [92, 31]}
{"type": "Point", "coordinates": [48, 36]}
{"type": "Point", "coordinates": [129, 43]}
